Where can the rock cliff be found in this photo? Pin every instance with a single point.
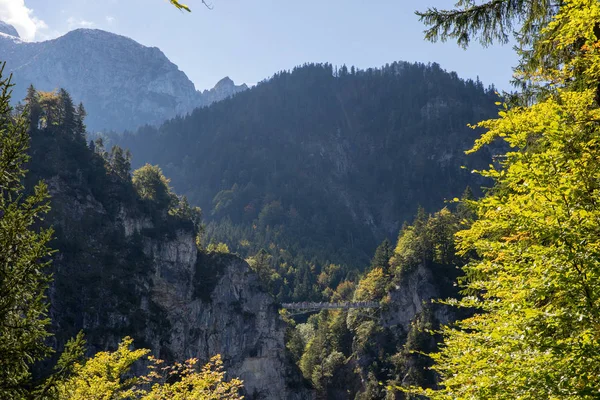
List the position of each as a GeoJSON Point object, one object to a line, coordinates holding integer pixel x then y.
{"type": "Point", "coordinates": [394, 347]}
{"type": "Point", "coordinates": [411, 297]}
{"type": "Point", "coordinates": [122, 83]}
{"type": "Point", "coordinates": [127, 267]}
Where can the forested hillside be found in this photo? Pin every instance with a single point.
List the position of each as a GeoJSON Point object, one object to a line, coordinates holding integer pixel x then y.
{"type": "Point", "coordinates": [128, 262]}
{"type": "Point", "coordinates": [318, 164]}
{"type": "Point", "coordinates": [311, 176]}
{"type": "Point", "coordinates": [367, 354]}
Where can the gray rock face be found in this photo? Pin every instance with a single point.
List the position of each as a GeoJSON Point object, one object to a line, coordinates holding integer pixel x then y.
{"type": "Point", "coordinates": [122, 84]}
{"type": "Point", "coordinates": [223, 89]}
{"type": "Point", "coordinates": [409, 307]}
{"type": "Point", "coordinates": [8, 29]}
{"type": "Point", "coordinates": [157, 287]}
{"type": "Point", "coordinates": [407, 300]}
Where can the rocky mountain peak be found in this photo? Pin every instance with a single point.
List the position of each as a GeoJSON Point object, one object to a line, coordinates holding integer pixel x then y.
{"type": "Point", "coordinates": [223, 89]}
{"type": "Point", "coordinates": [122, 83]}
{"type": "Point", "coordinates": [225, 82]}
{"type": "Point", "coordinates": [8, 29]}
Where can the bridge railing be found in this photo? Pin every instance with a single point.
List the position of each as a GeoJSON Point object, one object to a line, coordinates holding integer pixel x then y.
{"type": "Point", "coordinates": [324, 306]}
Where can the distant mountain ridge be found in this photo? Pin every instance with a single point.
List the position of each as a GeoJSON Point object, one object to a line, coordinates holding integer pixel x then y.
{"type": "Point", "coordinates": [323, 161]}
{"type": "Point", "coordinates": [122, 83]}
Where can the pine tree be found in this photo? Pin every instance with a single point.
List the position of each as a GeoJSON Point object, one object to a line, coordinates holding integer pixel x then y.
{"type": "Point", "coordinates": [383, 254]}
{"type": "Point", "coordinates": [464, 209]}
{"type": "Point", "coordinates": [32, 99]}
{"type": "Point", "coordinates": [80, 115]}
{"type": "Point", "coordinates": [24, 255]}
{"type": "Point", "coordinates": [67, 111]}
{"type": "Point", "coordinates": [120, 162]}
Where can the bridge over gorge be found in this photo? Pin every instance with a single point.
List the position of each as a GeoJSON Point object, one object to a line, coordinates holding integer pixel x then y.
{"type": "Point", "coordinates": [305, 307]}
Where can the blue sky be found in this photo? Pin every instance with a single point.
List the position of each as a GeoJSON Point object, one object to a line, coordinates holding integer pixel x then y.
{"type": "Point", "coordinates": [250, 40]}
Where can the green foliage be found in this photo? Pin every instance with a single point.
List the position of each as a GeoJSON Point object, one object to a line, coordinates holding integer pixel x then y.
{"type": "Point", "coordinates": [327, 345]}
{"type": "Point", "coordinates": [180, 6]}
{"type": "Point", "coordinates": [429, 242]}
{"type": "Point", "coordinates": [32, 100]}
{"type": "Point", "coordinates": [218, 248]}
{"type": "Point", "coordinates": [382, 257]}
{"type": "Point", "coordinates": [379, 355]}
{"type": "Point", "coordinates": [372, 287]}
{"type": "Point", "coordinates": [261, 263]}
{"type": "Point", "coordinates": [119, 162]}
{"type": "Point", "coordinates": [107, 375]}
{"type": "Point", "coordinates": [150, 183]}
{"type": "Point", "coordinates": [72, 354]}
{"type": "Point", "coordinates": [489, 21]}
{"type": "Point", "coordinates": [24, 255]}
{"type": "Point", "coordinates": [67, 110]}
{"type": "Point", "coordinates": [535, 332]}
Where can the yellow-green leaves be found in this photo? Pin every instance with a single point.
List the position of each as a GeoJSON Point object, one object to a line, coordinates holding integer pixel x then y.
{"type": "Point", "coordinates": [180, 5]}
{"type": "Point", "coordinates": [534, 289]}
{"type": "Point", "coordinates": [184, 7]}
{"type": "Point", "coordinates": [103, 376]}
{"type": "Point", "coordinates": [107, 376]}
{"type": "Point", "coordinates": [571, 40]}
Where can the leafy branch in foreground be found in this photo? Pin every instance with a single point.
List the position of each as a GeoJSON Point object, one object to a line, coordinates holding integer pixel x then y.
{"type": "Point", "coordinates": [184, 7]}
{"type": "Point", "coordinates": [107, 376]}
{"type": "Point", "coordinates": [534, 289]}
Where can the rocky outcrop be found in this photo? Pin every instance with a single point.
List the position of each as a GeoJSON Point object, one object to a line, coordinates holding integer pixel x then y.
{"type": "Point", "coordinates": [157, 287]}
{"type": "Point", "coordinates": [410, 297]}
{"type": "Point", "coordinates": [223, 89]}
{"type": "Point", "coordinates": [393, 348]}
{"type": "Point", "coordinates": [122, 83]}
{"type": "Point", "coordinates": [125, 268]}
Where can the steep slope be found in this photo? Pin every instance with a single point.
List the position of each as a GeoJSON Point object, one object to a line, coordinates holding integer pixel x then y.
{"type": "Point", "coordinates": [322, 160]}
{"type": "Point", "coordinates": [122, 83]}
{"type": "Point", "coordinates": [130, 266]}
{"type": "Point", "coordinates": [367, 354]}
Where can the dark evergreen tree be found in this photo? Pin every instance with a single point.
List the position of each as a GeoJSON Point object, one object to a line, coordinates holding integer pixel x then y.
{"type": "Point", "coordinates": [382, 256]}
{"type": "Point", "coordinates": [24, 256]}
{"type": "Point", "coordinates": [34, 110]}
{"type": "Point", "coordinates": [120, 162]}
{"type": "Point", "coordinates": [80, 115]}
{"type": "Point", "coordinates": [67, 111]}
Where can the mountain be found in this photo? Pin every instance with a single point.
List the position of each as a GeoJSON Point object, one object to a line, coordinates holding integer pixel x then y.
{"type": "Point", "coordinates": [8, 29]}
{"type": "Point", "coordinates": [129, 265]}
{"type": "Point", "coordinates": [323, 162]}
{"type": "Point", "coordinates": [122, 83]}
{"type": "Point", "coordinates": [223, 89]}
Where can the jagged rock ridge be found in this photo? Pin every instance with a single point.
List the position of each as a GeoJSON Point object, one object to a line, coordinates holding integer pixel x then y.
{"type": "Point", "coordinates": [122, 83]}
{"type": "Point", "coordinates": [223, 89]}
